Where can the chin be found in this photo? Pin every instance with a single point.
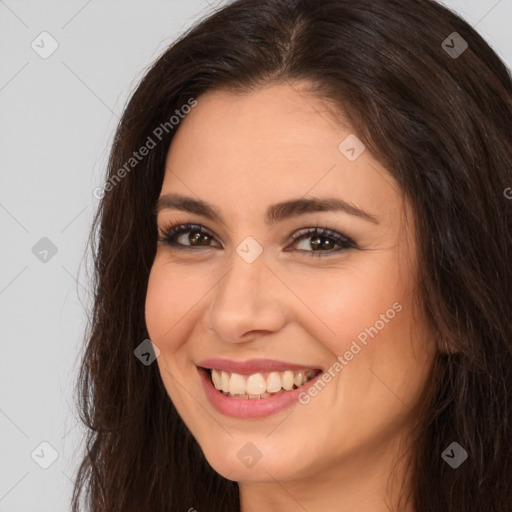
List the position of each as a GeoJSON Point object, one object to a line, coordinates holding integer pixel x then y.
{"type": "Point", "coordinates": [251, 464]}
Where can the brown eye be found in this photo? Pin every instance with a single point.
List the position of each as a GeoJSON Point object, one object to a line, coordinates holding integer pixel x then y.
{"type": "Point", "coordinates": [197, 238]}
{"type": "Point", "coordinates": [187, 235]}
{"type": "Point", "coordinates": [321, 242]}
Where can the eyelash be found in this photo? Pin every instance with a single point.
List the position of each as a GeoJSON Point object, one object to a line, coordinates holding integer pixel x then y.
{"type": "Point", "coordinates": [172, 230]}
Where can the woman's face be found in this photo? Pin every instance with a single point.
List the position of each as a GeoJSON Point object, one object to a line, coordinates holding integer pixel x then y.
{"type": "Point", "coordinates": [257, 306]}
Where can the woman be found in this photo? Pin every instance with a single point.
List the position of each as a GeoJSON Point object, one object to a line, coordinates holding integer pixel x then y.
{"type": "Point", "coordinates": [306, 213]}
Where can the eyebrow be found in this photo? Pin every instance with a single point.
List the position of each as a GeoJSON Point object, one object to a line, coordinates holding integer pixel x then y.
{"type": "Point", "coordinates": [275, 213]}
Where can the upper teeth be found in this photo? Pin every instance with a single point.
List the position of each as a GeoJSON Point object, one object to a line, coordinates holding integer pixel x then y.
{"type": "Point", "coordinates": [257, 384]}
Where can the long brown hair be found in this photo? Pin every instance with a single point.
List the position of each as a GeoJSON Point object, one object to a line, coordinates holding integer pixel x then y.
{"type": "Point", "coordinates": [439, 121]}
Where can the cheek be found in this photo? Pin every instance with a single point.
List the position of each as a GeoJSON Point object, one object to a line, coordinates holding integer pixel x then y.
{"type": "Point", "coordinates": [343, 302]}
{"type": "Point", "coordinates": [385, 353]}
{"type": "Point", "coordinates": [167, 304]}
{"type": "Point", "coordinates": [160, 304]}
{"type": "Point", "coordinates": [170, 298]}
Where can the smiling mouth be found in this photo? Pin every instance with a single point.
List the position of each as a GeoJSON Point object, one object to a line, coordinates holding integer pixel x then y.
{"type": "Point", "coordinates": [259, 385]}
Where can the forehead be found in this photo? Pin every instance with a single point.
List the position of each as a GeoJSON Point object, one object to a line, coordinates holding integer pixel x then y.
{"type": "Point", "coordinates": [269, 145]}
{"type": "Point", "coordinates": [282, 119]}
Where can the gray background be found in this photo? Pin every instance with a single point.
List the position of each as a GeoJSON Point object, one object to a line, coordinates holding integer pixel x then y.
{"type": "Point", "coordinates": [56, 124]}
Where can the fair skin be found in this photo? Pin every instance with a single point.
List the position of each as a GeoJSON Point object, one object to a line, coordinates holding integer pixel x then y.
{"type": "Point", "coordinates": [242, 153]}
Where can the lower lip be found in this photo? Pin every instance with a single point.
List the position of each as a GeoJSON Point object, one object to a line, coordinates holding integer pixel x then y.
{"type": "Point", "coordinates": [247, 407]}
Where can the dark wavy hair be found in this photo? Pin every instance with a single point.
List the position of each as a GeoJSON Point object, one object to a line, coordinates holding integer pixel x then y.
{"type": "Point", "coordinates": [440, 123]}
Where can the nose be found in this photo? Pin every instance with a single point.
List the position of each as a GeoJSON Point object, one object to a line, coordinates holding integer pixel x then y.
{"type": "Point", "coordinates": [247, 303]}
